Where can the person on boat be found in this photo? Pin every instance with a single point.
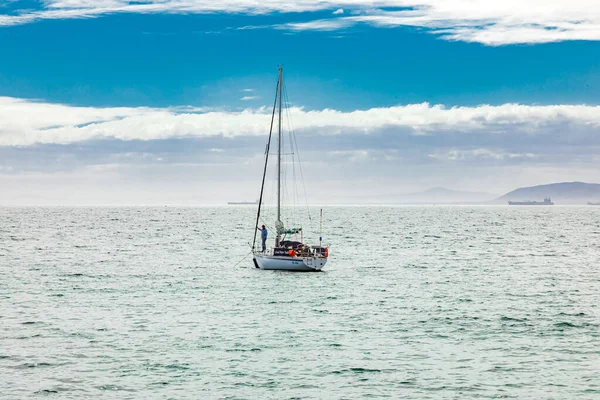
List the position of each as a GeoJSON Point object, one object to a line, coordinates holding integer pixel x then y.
{"type": "Point", "coordinates": [263, 235]}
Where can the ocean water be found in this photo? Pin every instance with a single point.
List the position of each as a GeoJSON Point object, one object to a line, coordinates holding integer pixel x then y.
{"type": "Point", "coordinates": [416, 302]}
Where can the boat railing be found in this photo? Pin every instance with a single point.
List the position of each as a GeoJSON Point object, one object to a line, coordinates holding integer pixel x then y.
{"type": "Point", "coordinates": [308, 251]}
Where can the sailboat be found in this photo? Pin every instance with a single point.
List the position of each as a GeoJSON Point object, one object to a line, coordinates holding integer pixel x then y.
{"type": "Point", "coordinates": [288, 253]}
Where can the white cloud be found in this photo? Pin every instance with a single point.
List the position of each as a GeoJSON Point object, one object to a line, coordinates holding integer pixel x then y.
{"type": "Point", "coordinates": [481, 153]}
{"type": "Point", "coordinates": [350, 155]}
{"type": "Point", "coordinates": [318, 25]}
{"type": "Point", "coordinates": [484, 21]}
{"type": "Point", "coordinates": [497, 23]}
{"type": "Point", "coordinates": [27, 122]}
{"type": "Point", "coordinates": [248, 98]}
{"type": "Point", "coordinates": [339, 11]}
{"type": "Point", "coordinates": [247, 90]}
{"type": "Point", "coordinates": [192, 155]}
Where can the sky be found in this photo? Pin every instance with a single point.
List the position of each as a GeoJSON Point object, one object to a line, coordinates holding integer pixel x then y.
{"type": "Point", "coordinates": [169, 101]}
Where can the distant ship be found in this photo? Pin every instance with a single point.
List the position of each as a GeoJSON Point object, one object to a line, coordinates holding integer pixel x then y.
{"type": "Point", "coordinates": [590, 203]}
{"type": "Point", "coordinates": [242, 203]}
{"type": "Point", "coordinates": [546, 202]}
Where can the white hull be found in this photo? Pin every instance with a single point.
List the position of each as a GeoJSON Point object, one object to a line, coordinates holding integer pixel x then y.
{"type": "Point", "coordinates": [304, 264]}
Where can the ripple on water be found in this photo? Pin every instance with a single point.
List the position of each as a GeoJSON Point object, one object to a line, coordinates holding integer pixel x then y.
{"type": "Point", "coordinates": [429, 302]}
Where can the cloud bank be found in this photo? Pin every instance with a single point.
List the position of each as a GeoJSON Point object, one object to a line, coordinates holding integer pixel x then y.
{"type": "Point", "coordinates": [26, 122]}
{"type": "Point", "coordinates": [207, 155]}
{"type": "Point", "coordinates": [481, 21]}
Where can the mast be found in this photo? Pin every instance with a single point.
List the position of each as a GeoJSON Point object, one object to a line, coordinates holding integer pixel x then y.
{"type": "Point", "coordinates": [278, 224]}
{"type": "Point", "coordinates": [262, 187]}
{"type": "Point", "coordinates": [321, 230]}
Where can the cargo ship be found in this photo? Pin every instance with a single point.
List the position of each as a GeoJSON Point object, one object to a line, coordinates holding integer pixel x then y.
{"type": "Point", "coordinates": [547, 202]}
{"type": "Point", "coordinates": [591, 203]}
{"type": "Point", "coordinates": [242, 203]}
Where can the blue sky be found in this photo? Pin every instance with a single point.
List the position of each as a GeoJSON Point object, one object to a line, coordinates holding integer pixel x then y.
{"type": "Point", "coordinates": [111, 90]}
{"type": "Point", "coordinates": [161, 60]}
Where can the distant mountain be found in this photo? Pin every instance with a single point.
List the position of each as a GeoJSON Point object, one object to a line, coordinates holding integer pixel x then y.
{"type": "Point", "coordinates": [440, 195]}
{"type": "Point", "coordinates": [561, 193]}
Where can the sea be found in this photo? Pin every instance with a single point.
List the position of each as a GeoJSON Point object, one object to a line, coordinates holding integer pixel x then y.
{"type": "Point", "coordinates": [415, 302]}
